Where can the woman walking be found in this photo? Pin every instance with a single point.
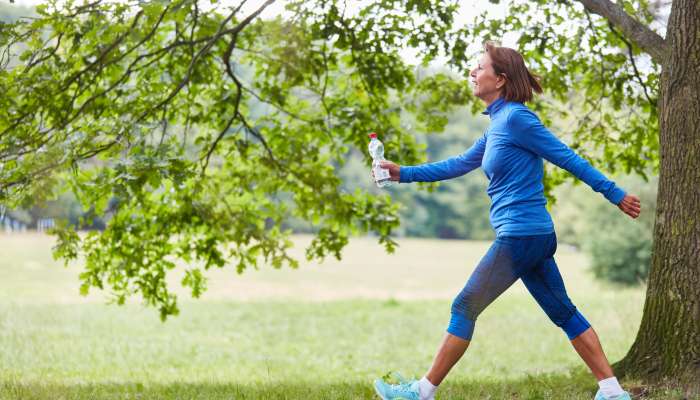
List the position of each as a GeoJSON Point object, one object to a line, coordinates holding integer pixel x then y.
{"type": "Point", "coordinates": [510, 152]}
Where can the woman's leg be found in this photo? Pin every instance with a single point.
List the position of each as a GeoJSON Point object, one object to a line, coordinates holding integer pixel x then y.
{"type": "Point", "coordinates": [495, 273]}
{"type": "Point", "coordinates": [451, 350]}
{"type": "Point", "coordinates": [547, 286]}
{"type": "Point", "coordinates": [588, 347]}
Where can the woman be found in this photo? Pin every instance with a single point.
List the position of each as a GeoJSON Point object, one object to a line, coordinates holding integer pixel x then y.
{"type": "Point", "coordinates": [510, 152]}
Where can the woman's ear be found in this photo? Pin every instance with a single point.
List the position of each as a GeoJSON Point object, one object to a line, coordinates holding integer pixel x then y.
{"type": "Point", "coordinates": [501, 80]}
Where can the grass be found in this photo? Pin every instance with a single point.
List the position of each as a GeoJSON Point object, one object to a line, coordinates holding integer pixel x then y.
{"type": "Point", "coordinates": [321, 332]}
{"type": "Point", "coordinates": [530, 387]}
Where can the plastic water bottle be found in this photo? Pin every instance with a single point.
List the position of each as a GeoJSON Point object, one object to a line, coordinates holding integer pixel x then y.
{"type": "Point", "coordinates": [376, 151]}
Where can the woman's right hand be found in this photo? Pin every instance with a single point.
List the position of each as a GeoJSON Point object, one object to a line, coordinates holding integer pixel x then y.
{"type": "Point", "coordinates": [394, 170]}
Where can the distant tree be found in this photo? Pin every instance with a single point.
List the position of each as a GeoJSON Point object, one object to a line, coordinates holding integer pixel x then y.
{"type": "Point", "coordinates": [458, 209]}
{"type": "Point", "coordinates": [619, 250]}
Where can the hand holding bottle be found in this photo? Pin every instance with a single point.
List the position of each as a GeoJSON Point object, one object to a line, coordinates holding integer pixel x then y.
{"type": "Point", "coordinates": [394, 170]}
{"type": "Point", "coordinates": [382, 176]}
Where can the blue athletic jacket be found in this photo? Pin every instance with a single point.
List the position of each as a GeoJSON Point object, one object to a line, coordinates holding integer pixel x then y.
{"type": "Point", "coordinates": [510, 152]}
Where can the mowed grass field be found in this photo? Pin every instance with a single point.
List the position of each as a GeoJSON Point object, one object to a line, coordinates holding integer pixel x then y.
{"type": "Point", "coordinates": [320, 332]}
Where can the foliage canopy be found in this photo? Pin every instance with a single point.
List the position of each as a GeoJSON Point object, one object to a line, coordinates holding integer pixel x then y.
{"type": "Point", "coordinates": [200, 129]}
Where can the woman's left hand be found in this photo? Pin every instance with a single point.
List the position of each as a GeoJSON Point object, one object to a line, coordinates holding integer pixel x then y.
{"type": "Point", "coordinates": [630, 205]}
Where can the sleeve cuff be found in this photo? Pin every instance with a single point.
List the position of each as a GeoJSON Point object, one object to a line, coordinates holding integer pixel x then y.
{"type": "Point", "coordinates": [616, 195]}
{"type": "Point", "coordinates": [405, 174]}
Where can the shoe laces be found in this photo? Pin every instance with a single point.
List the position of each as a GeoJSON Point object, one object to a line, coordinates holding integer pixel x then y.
{"type": "Point", "coordinates": [404, 387]}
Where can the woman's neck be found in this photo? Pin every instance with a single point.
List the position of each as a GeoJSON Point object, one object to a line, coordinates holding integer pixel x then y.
{"type": "Point", "coordinates": [490, 98]}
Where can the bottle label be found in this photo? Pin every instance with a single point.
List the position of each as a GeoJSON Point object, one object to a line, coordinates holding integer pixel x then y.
{"type": "Point", "coordinates": [380, 173]}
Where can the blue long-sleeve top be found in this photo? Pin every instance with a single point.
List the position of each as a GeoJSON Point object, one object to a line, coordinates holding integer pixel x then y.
{"type": "Point", "coordinates": [510, 152]}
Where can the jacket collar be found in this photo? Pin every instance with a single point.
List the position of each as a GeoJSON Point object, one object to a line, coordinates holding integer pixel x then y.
{"type": "Point", "coordinates": [495, 106]}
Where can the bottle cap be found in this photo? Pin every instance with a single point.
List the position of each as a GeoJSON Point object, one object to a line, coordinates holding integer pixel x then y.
{"type": "Point", "coordinates": [373, 135]}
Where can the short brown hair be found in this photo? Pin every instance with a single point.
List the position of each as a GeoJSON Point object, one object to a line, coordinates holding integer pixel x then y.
{"type": "Point", "coordinates": [520, 82]}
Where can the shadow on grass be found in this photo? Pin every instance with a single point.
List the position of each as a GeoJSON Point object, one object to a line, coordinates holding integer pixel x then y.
{"type": "Point", "coordinates": [573, 386]}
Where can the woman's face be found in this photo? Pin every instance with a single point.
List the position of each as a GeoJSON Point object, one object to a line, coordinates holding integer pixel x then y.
{"type": "Point", "coordinates": [487, 85]}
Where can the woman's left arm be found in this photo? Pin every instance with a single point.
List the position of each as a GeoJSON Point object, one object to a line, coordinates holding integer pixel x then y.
{"type": "Point", "coordinates": [529, 132]}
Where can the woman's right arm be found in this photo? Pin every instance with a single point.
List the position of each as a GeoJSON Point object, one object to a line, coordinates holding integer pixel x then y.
{"type": "Point", "coordinates": [445, 169]}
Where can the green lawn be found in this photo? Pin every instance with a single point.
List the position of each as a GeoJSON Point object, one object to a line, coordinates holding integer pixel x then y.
{"type": "Point", "coordinates": [320, 332]}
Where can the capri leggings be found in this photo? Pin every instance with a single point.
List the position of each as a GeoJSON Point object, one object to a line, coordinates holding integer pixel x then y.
{"type": "Point", "coordinates": [530, 258]}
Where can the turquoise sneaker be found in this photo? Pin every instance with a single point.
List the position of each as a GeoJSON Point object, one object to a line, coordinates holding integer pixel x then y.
{"type": "Point", "coordinates": [624, 396]}
{"type": "Point", "coordinates": [403, 391]}
{"type": "Point", "coordinates": [399, 378]}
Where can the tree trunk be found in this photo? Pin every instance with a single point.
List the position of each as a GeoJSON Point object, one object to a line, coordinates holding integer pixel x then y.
{"type": "Point", "coordinates": [667, 347]}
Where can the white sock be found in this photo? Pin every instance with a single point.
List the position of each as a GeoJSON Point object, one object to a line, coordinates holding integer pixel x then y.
{"type": "Point", "coordinates": [610, 387]}
{"type": "Point", "coordinates": [426, 389]}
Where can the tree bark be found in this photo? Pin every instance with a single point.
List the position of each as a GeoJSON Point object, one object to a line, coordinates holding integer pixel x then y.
{"type": "Point", "coordinates": [667, 347]}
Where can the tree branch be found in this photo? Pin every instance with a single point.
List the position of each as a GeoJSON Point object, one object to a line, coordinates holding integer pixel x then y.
{"type": "Point", "coordinates": [104, 52]}
{"type": "Point", "coordinates": [237, 103]}
{"type": "Point", "coordinates": [219, 137]}
{"type": "Point", "coordinates": [209, 42]}
{"type": "Point", "coordinates": [638, 33]}
{"type": "Point", "coordinates": [220, 33]}
{"type": "Point", "coordinates": [634, 64]}
{"type": "Point", "coordinates": [47, 56]}
{"type": "Point", "coordinates": [84, 9]}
